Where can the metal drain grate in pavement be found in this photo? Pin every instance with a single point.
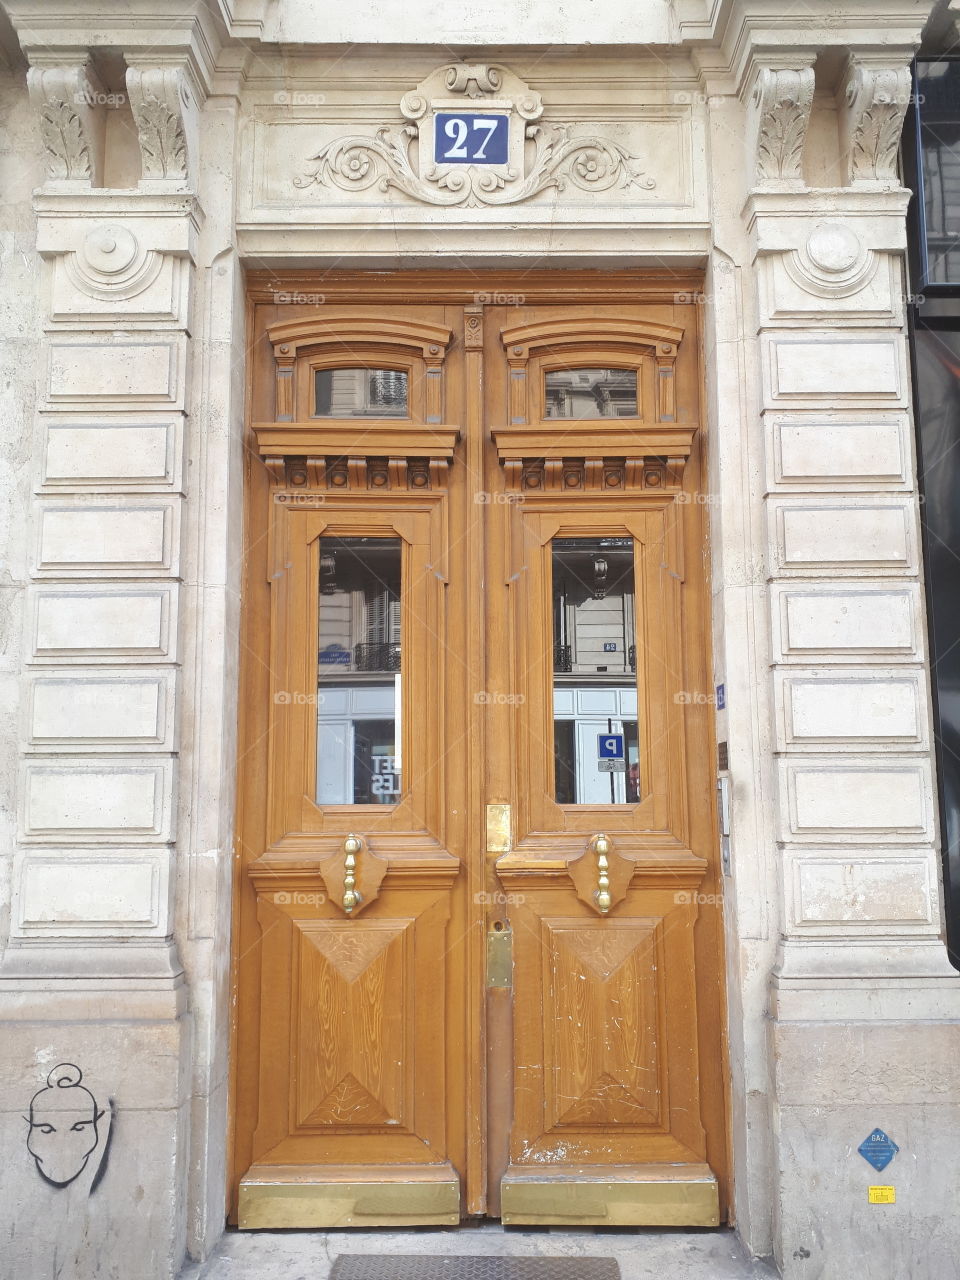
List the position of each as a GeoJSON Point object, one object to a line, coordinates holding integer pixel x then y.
{"type": "Point", "coordinates": [384, 1266]}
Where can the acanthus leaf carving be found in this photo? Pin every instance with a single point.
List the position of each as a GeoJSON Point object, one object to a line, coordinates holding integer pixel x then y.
{"type": "Point", "coordinates": [162, 143]}
{"type": "Point", "coordinates": [876, 101]}
{"type": "Point", "coordinates": [402, 158]}
{"type": "Point", "coordinates": [164, 110]}
{"type": "Point", "coordinates": [783, 98]}
{"type": "Point", "coordinates": [62, 133]}
{"type": "Point", "coordinates": [71, 125]}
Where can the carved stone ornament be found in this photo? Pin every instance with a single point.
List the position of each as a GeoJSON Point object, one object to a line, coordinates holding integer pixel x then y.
{"type": "Point", "coordinates": [876, 101]}
{"type": "Point", "coordinates": [538, 156]}
{"type": "Point", "coordinates": [111, 264]}
{"type": "Point", "coordinates": [833, 262]}
{"type": "Point", "coordinates": [71, 121]}
{"type": "Point", "coordinates": [782, 99]}
{"type": "Point", "coordinates": [163, 105]}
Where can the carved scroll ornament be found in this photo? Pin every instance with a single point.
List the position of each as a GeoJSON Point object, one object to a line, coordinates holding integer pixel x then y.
{"type": "Point", "coordinates": [876, 102]}
{"type": "Point", "coordinates": [403, 158]}
{"type": "Point", "coordinates": [66, 99]}
{"type": "Point", "coordinates": [163, 108]}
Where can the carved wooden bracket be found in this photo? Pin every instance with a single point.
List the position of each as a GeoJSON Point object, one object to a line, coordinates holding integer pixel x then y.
{"type": "Point", "coordinates": [603, 453]}
{"type": "Point", "coordinates": [600, 875]}
{"type": "Point", "coordinates": [353, 876]}
{"type": "Point", "coordinates": [304, 450]}
{"type": "Point", "coordinates": [570, 475]}
{"type": "Point", "coordinates": [353, 473]}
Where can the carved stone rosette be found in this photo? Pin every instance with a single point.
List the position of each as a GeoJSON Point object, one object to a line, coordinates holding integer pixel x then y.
{"type": "Point", "coordinates": [403, 158]}
{"type": "Point", "coordinates": [875, 103]}
{"type": "Point", "coordinates": [782, 99]}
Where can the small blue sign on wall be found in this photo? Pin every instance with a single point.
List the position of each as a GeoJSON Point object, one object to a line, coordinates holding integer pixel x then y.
{"type": "Point", "coordinates": [610, 746]}
{"type": "Point", "coordinates": [878, 1149]}
{"type": "Point", "coordinates": [335, 655]}
{"type": "Point", "coordinates": [470, 137]}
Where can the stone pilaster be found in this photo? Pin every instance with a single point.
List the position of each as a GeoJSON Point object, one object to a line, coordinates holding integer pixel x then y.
{"type": "Point", "coordinates": [91, 975]}
{"type": "Point", "coordinates": [865, 1004]}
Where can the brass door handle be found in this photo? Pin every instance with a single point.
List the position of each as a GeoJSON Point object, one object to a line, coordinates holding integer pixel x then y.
{"type": "Point", "coordinates": [601, 874]}
{"type": "Point", "coordinates": [602, 896]}
{"type": "Point", "coordinates": [351, 897]}
{"type": "Point", "coordinates": [343, 872]}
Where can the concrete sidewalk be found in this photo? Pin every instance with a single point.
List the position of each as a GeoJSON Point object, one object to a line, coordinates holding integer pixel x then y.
{"type": "Point", "coordinates": [643, 1255]}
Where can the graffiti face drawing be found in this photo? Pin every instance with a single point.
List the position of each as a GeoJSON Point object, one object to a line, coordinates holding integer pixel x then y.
{"type": "Point", "coordinates": [63, 1126]}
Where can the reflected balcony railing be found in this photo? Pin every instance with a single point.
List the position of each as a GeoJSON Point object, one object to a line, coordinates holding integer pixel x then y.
{"type": "Point", "coordinates": [376, 657]}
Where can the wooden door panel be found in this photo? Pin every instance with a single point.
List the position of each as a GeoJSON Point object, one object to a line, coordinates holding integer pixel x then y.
{"type": "Point", "coordinates": [602, 1024]}
{"type": "Point", "coordinates": [352, 1025]}
{"type": "Point", "coordinates": [605, 1018]}
{"type": "Point", "coordinates": [352, 1062]}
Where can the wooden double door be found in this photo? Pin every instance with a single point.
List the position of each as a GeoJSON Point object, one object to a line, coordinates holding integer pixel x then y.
{"type": "Point", "coordinates": [477, 948]}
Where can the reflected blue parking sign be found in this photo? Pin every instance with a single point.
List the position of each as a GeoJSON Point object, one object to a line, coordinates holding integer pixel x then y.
{"type": "Point", "coordinates": [610, 746]}
{"type": "Point", "coordinates": [470, 137]}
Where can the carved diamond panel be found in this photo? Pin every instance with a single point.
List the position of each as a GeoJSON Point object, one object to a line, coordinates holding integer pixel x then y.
{"type": "Point", "coordinates": [350, 1067]}
{"type": "Point", "coordinates": [603, 1020]}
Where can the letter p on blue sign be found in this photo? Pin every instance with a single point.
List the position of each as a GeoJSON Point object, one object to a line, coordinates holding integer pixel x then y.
{"type": "Point", "coordinates": [610, 746]}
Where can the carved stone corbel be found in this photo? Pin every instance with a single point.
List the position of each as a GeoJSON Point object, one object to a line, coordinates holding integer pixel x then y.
{"type": "Point", "coordinates": [69, 100]}
{"type": "Point", "coordinates": [165, 106]}
{"type": "Point", "coordinates": [781, 102]}
{"type": "Point", "coordinates": [875, 102]}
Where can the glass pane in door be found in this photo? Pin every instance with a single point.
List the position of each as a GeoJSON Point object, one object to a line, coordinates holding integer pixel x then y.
{"type": "Point", "coordinates": [595, 725]}
{"type": "Point", "coordinates": [358, 672]}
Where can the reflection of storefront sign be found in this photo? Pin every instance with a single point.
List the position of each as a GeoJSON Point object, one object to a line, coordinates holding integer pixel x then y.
{"type": "Point", "coordinates": [384, 781]}
{"type": "Point", "coordinates": [335, 655]}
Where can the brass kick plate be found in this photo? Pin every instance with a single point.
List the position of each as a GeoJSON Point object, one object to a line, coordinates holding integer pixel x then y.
{"type": "Point", "coordinates": [499, 838]}
{"type": "Point", "coordinates": [282, 1199]}
{"type": "Point", "coordinates": [640, 1196]}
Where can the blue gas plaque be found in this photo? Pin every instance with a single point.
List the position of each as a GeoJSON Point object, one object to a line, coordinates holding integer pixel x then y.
{"type": "Point", "coordinates": [878, 1149]}
{"type": "Point", "coordinates": [610, 746]}
{"type": "Point", "coordinates": [470, 137]}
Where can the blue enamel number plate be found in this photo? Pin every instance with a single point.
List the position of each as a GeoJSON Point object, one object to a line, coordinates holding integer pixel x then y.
{"type": "Point", "coordinates": [470, 138]}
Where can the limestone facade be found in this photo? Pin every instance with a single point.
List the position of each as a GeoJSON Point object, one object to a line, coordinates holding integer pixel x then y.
{"type": "Point", "coordinates": [155, 151]}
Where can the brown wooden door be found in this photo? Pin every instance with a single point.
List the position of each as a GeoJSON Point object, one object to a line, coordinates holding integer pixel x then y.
{"type": "Point", "coordinates": [477, 948]}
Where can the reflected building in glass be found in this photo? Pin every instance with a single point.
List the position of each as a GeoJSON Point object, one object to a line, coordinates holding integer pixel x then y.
{"type": "Point", "coordinates": [358, 676]}
{"type": "Point", "coordinates": [594, 666]}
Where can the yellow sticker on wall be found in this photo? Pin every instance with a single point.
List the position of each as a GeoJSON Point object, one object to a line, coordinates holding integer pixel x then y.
{"type": "Point", "coordinates": [882, 1195]}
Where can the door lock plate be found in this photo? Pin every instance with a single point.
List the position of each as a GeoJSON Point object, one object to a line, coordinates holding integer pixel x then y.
{"type": "Point", "coordinates": [499, 959]}
{"type": "Point", "coordinates": [499, 839]}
